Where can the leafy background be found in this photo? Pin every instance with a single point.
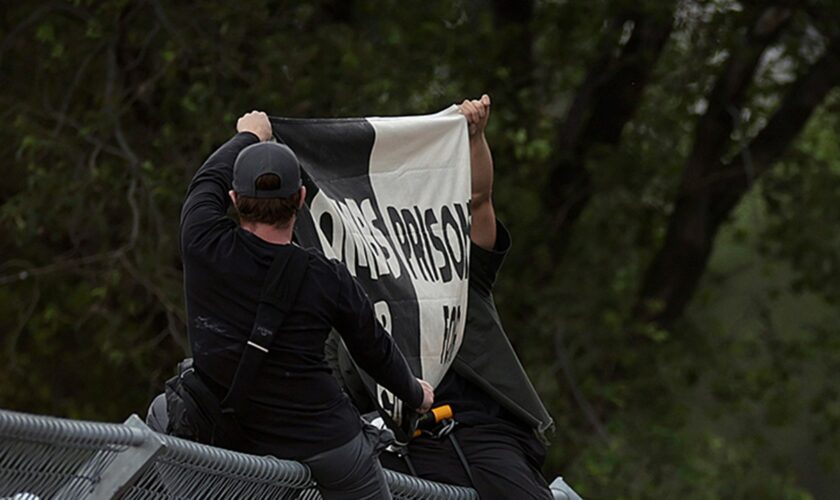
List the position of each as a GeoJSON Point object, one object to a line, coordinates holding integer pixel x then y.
{"type": "Point", "coordinates": [669, 170]}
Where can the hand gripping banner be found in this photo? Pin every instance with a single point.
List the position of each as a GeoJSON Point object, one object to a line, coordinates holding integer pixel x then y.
{"type": "Point", "coordinates": [389, 197]}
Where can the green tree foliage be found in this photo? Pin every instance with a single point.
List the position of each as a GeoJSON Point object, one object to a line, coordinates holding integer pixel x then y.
{"type": "Point", "coordinates": [668, 170]}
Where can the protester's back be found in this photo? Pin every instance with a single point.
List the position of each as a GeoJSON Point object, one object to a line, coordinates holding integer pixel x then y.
{"type": "Point", "coordinates": [294, 408]}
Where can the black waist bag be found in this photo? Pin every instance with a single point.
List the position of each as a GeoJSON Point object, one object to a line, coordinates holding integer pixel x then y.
{"type": "Point", "coordinates": [194, 411]}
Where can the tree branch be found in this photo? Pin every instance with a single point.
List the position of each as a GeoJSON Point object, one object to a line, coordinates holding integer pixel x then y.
{"type": "Point", "coordinates": [36, 16]}
{"type": "Point", "coordinates": [604, 103]}
{"type": "Point", "coordinates": [773, 140]}
{"type": "Point", "coordinates": [512, 22]}
{"type": "Point", "coordinates": [61, 265]}
{"type": "Point", "coordinates": [714, 129]}
{"type": "Point", "coordinates": [14, 335]}
{"type": "Point", "coordinates": [703, 206]}
{"type": "Point", "coordinates": [174, 315]}
{"type": "Point", "coordinates": [562, 364]}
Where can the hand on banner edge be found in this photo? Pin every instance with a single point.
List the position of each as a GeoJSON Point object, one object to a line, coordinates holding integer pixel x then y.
{"type": "Point", "coordinates": [477, 113]}
{"type": "Point", "coordinates": [428, 396]}
{"type": "Point", "coordinates": [255, 122]}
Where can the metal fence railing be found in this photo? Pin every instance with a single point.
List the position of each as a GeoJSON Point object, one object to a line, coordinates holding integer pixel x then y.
{"type": "Point", "coordinates": [53, 458]}
{"type": "Point", "coordinates": [183, 469]}
{"type": "Point", "coordinates": [45, 457]}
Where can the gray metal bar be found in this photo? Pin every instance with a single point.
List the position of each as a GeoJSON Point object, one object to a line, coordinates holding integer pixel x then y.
{"type": "Point", "coordinates": [127, 466]}
{"type": "Point", "coordinates": [563, 491]}
{"type": "Point", "coordinates": [53, 430]}
{"type": "Point", "coordinates": [49, 457]}
{"type": "Point", "coordinates": [403, 486]}
{"type": "Point", "coordinates": [184, 469]}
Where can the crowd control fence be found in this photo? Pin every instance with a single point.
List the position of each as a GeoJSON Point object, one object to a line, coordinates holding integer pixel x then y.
{"type": "Point", "coordinates": [45, 457]}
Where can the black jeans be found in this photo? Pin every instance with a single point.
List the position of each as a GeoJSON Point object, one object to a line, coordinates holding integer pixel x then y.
{"type": "Point", "coordinates": [504, 462]}
{"type": "Point", "coordinates": [352, 470]}
{"type": "Point", "coordinates": [349, 471]}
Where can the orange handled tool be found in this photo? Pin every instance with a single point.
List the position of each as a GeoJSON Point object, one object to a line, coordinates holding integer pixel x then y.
{"type": "Point", "coordinates": [435, 416]}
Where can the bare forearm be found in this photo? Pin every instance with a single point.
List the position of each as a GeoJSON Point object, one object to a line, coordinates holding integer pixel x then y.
{"type": "Point", "coordinates": [481, 165]}
{"type": "Point", "coordinates": [483, 231]}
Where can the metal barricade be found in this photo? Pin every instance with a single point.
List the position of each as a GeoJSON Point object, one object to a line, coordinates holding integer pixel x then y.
{"type": "Point", "coordinates": [46, 457]}
{"type": "Point", "coordinates": [183, 469]}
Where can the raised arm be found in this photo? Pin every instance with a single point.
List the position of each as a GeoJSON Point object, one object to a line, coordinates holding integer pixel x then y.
{"type": "Point", "coordinates": [207, 197]}
{"type": "Point", "coordinates": [483, 230]}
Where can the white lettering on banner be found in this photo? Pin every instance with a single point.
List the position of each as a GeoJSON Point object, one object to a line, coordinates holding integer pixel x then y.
{"type": "Point", "coordinates": [432, 244]}
{"type": "Point", "coordinates": [389, 403]}
{"type": "Point", "coordinates": [387, 400]}
{"type": "Point", "coordinates": [451, 320]}
{"type": "Point", "coordinates": [401, 226]}
{"type": "Point", "coordinates": [383, 313]}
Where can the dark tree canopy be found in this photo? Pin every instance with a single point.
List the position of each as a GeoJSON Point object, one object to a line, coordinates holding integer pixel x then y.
{"type": "Point", "coordinates": [669, 171]}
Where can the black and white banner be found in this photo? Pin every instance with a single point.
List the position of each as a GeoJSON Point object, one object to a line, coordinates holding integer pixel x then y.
{"type": "Point", "coordinates": [389, 197]}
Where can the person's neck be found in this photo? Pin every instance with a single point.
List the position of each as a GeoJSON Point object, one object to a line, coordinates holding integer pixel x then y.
{"type": "Point", "coordinates": [269, 233]}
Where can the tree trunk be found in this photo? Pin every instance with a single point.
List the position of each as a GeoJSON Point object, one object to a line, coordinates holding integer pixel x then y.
{"type": "Point", "coordinates": [710, 189]}
{"type": "Point", "coordinates": [606, 100]}
{"type": "Point", "coordinates": [512, 23]}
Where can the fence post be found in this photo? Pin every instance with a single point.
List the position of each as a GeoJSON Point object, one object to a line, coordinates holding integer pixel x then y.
{"type": "Point", "coordinates": [563, 491]}
{"type": "Point", "coordinates": [127, 466]}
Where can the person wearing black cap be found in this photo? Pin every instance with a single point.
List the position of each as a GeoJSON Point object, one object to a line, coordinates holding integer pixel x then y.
{"type": "Point", "coordinates": [295, 409]}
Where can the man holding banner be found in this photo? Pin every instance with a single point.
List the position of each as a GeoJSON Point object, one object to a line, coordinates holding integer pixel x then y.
{"type": "Point", "coordinates": [498, 443]}
{"type": "Point", "coordinates": [260, 309]}
{"type": "Point", "coordinates": [411, 167]}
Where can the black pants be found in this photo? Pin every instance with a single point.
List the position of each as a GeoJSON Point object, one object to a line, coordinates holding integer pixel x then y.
{"type": "Point", "coordinates": [504, 462]}
{"type": "Point", "coordinates": [352, 471]}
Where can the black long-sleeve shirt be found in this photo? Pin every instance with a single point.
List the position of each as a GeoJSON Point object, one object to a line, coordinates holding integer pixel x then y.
{"type": "Point", "coordinates": [295, 408]}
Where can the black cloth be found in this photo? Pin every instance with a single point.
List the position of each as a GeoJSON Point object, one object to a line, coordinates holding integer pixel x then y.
{"type": "Point", "coordinates": [503, 453]}
{"type": "Point", "coordinates": [501, 460]}
{"type": "Point", "coordinates": [498, 437]}
{"type": "Point", "coordinates": [352, 471]}
{"type": "Point", "coordinates": [471, 404]}
{"type": "Point", "coordinates": [486, 358]}
{"type": "Point", "coordinates": [296, 408]}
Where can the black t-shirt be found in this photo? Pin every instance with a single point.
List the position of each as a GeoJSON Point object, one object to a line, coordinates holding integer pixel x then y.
{"type": "Point", "coordinates": [470, 404]}
{"type": "Point", "coordinates": [295, 408]}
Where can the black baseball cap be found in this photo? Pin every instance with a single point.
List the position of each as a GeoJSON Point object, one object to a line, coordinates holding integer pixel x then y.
{"type": "Point", "coordinates": [266, 158]}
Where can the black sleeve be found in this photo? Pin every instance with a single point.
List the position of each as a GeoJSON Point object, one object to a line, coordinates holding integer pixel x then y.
{"type": "Point", "coordinates": [207, 197]}
{"type": "Point", "coordinates": [345, 372]}
{"type": "Point", "coordinates": [485, 264]}
{"type": "Point", "coordinates": [370, 345]}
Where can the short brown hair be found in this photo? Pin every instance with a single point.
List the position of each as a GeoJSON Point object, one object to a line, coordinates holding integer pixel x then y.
{"type": "Point", "coordinates": [275, 211]}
